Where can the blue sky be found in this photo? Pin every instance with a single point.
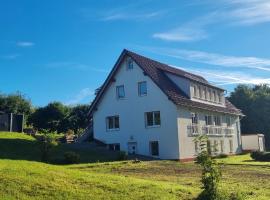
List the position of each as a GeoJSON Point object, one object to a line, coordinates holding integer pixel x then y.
{"type": "Point", "coordinates": [62, 50]}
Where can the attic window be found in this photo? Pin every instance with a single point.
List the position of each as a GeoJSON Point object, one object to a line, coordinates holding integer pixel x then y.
{"type": "Point", "coordinates": [130, 64]}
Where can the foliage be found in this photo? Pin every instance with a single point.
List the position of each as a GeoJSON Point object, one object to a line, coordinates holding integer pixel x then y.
{"type": "Point", "coordinates": [78, 118]}
{"type": "Point", "coordinates": [47, 143]}
{"type": "Point", "coordinates": [71, 157]}
{"type": "Point", "coordinates": [254, 101]}
{"type": "Point", "coordinates": [50, 117]}
{"type": "Point", "coordinates": [260, 156]}
{"type": "Point", "coordinates": [122, 155]}
{"type": "Point", "coordinates": [210, 171]}
{"type": "Point", "coordinates": [61, 118]}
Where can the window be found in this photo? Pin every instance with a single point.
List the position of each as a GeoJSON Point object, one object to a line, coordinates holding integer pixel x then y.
{"type": "Point", "coordinates": [129, 64]}
{"type": "Point", "coordinates": [231, 146]}
{"type": "Point", "coordinates": [152, 118]}
{"type": "Point", "coordinates": [154, 149]}
{"type": "Point", "coordinates": [228, 121]}
{"type": "Point", "coordinates": [120, 92]}
{"type": "Point", "coordinates": [194, 118]}
{"type": "Point", "coordinates": [112, 123]}
{"type": "Point", "coordinates": [214, 96]}
{"type": "Point", "coordinates": [195, 90]}
{"type": "Point", "coordinates": [217, 120]}
{"type": "Point", "coordinates": [221, 146]}
{"type": "Point", "coordinates": [208, 94]}
{"type": "Point", "coordinates": [200, 92]}
{"type": "Point", "coordinates": [215, 147]}
{"type": "Point", "coordinates": [204, 93]}
{"type": "Point", "coordinates": [208, 120]}
{"type": "Point", "coordinates": [142, 88]}
{"type": "Point", "coordinates": [114, 147]}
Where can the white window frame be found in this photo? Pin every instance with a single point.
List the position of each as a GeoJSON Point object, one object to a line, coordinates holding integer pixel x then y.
{"type": "Point", "coordinates": [207, 117]}
{"type": "Point", "coordinates": [139, 88]}
{"type": "Point", "coordinates": [217, 118]}
{"type": "Point", "coordinates": [153, 118]}
{"type": "Point", "coordinates": [114, 124]}
{"type": "Point", "coordinates": [117, 92]}
{"type": "Point", "coordinates": [194, 118]}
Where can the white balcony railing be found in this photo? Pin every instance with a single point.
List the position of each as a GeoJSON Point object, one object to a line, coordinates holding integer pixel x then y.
{"type": "Point", "coordinates": [211, 130]}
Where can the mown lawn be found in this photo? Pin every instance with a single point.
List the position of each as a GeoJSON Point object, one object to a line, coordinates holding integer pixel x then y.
{"type": "Point", "coordinates": [23, 177]}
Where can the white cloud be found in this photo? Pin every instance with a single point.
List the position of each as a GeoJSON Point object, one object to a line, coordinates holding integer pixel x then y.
{"type": "Point", "coordinates": [119, 15]}
{"type": "Point", "coordinates": [82, 95]}
{"type": "Point", "coordinates": [25, 44]}
{"type": "Point", "coordinates": [213, 58]}
{"type": "Point", "coordinates": [227, 78]}
{"type": "Point", "coordinates": [249, 12]}
{"type": "Point", "coordinates": [182, 34]}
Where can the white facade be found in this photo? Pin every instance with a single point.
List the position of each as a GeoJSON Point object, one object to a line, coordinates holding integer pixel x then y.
{"type": "Point", "coordinates": [172, 135]}
{"type": "Point", "coordinates": [254, 142]}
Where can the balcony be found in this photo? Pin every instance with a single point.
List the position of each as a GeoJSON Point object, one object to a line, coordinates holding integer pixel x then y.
{"type": "Point", "coordinates": [210, 130]}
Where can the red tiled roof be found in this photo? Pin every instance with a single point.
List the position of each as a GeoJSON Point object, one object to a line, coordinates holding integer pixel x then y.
{"type": "Point", "coordinates": [156, 71]}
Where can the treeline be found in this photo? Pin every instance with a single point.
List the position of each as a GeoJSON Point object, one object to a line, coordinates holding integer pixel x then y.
{"type": "Point", "coordinates": [54, 117]}
{"type": "Point", "coordinates": [254, 101]}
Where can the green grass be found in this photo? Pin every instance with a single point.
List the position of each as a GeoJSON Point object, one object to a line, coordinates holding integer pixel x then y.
{"type": "Point", "coordinates": [22, 176]}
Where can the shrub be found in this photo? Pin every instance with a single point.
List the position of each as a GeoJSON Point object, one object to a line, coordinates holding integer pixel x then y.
{"type": "Point", "coordinates": [222, 156]}
{"type": "Point", "coordinates": [122, 155]}
{"type": "Point", "coordinates": [211, 173]}
{"type": "Point", "coordinates": [260, 156]}
{"type": "Point", "coordinates": [47, 141]}
{"type": "Point", "coordinates": [71, 157]}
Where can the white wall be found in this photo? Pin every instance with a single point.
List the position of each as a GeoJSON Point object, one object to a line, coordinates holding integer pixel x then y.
{"type": "Point", "coordinates": [131, 111]}
{"type": "Point", "coordinates": [250, 142]}
{"type": "Point", "coordinates": [186, 143]}
{"type": "Point", "coordinates": [182, 83]}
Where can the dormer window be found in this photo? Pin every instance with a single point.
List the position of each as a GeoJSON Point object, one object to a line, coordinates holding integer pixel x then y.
{"type": "Point", "coordinates": [130, 64]}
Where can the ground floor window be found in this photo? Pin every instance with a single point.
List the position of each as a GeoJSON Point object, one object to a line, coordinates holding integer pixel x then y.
{"type": "Point", "coordinates": [114, 147]}
{"type": "Point", "coordinates": [221, 146]}
{"type": "Point", "coordinates": [112, 122]}
{"type": "Point", "coordinates": [231, 146]}
{"type": "Point", "coordinates": [154, 148]}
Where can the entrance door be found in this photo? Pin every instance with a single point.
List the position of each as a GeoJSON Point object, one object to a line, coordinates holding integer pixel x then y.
{"type": "Point", "coordinates": [261, 145]}
{"type": "Point", "coordinates": [132, 147]}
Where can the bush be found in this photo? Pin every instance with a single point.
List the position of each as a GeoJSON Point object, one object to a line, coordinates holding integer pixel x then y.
{"type": "Point", "coordinates": [71, 157]}
{"type": "Point", "coordinates": [260, 156]}
{"type": "Point", "coordinates": [122, 155]}
{"type": "Point", "coordinates": [48, 142]}
{"type": "Point", "coordinates": [222, 156]}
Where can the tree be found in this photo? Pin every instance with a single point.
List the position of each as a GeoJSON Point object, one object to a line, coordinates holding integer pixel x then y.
{"type": "Point", "coordinates": [15, 103]}
{"type": "Point", "coordinates": [78, 118]}
{"type": "Point", "coordinates": [50, 117]}
{"type": "Point", "coordinates": [211, 172]}
{"type": "Point", "coordinates": [254, 101]}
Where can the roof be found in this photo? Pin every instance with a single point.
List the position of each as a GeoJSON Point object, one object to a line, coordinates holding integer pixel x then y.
{"type": "Point", "coordinates": [157, 72]}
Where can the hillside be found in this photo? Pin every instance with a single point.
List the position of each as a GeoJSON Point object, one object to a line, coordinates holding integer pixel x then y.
{"type": "Point", "coordinates": [23, 177]}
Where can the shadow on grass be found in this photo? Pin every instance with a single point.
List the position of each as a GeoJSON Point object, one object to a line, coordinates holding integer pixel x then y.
{"type": "Point", "coordinates": [20, 149]}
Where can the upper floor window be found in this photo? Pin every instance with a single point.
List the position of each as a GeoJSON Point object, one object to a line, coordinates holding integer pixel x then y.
{"type": "Point", "coordinates": [142, 88]}
{"type": "Point", "coordinates": [112, 123]}
{"type": "Point", "coordinates": [194, 118]}
{"type": "Point", "coordinates": [208, 120]}
{"type": "Point", "coordinates": [129, 64]}
{"type": "Point", "coordinates": [217, 120]}
{"type": "Point", "coordinates": [214, 96]}
{"type": "Point", "coordinates": [120, 92]}
{"type": "Point", "coordinates": [228, 121]}
{"type": "Point", "coordinates": [152, 118]}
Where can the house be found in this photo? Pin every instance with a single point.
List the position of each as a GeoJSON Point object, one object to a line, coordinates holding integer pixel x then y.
{"type": "Point", "coordinates": [149, 108]}
{"type": "Point", "coordinates": [253, 142]}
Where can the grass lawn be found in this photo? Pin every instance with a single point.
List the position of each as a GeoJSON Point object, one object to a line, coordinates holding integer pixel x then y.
{"type": "Point", "coordinates": [22, 176]}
